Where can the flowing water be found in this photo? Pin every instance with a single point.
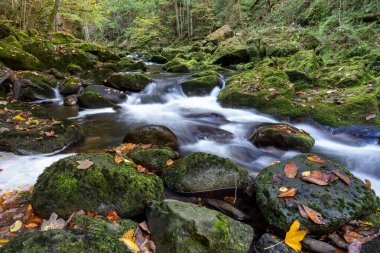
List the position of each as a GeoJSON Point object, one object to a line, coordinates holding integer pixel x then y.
{"type": "Point", "coordinates": [200, 123]}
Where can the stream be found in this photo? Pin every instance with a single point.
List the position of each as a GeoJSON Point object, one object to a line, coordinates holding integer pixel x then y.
{"type": "Point", "coordinates": [200, 124]}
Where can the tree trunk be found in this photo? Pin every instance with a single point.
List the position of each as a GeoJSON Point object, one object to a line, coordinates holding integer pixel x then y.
{"type": "Point", "coordinates": [53, 15]}
{"type": "Point", "coordinates": [177, 18]}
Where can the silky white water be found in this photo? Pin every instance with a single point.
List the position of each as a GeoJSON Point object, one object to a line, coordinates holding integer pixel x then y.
{"type": "Point", "coordinates": [201, 124]}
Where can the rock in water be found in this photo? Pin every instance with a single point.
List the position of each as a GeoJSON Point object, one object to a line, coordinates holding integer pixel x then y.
{"type": "Point", "coordinates": [201, 86]}
{"type": "Point", "coordinates": [152, 134]}
{"type": "Point", "coordinates": [185, 227]}
{"type": "Point", "coordinates": [337, 202]}
{"type": "Point", "coordinates": [104, 186]}
{"type": "Point", "coordinates": [115, 96]}
{"type": "Point", "coordinates": [282, 136]}
{"type": "Point", "coordinates": [204, 172]}
{"type": "Point", "coordinates": [128, 82]}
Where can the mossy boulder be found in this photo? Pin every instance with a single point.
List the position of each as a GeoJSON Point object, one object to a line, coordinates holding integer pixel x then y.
{"type": "Point", "coordinates": [201, 86]}
{"type": "Point", "coordinates": [70, 86]}
{"type": "Point", "coordinates": [128, 82]}
{"type": "Point", "coordinates": [140, 65]}
{"type": "Point", "coordinates": [35, 86]}
{"type": "Point", "coordinates": [27, 133]}
{"type": "Point", "coordinates": [65, 241]}
{"type": "Point", "coordinates": [62, 38]}
{"type": "Point", "coordinates": [281, 136]}
{"type": "Point", "coordinates": [93, 100]}
{"type": "Point", "coordinates": [233, 51]}
{"type": "Point", "coordinates": [204, 172]}
{"type": "Point", "coordinates": [158, 59]}
{"type": "Point", "coordinates": [180, 227]}
{"type": "Point", "coordinates": [17, 59]}
{"type": "Point", "coordinates": [152, 134]}
{"type": "Point", "coordinates": [154, 158]}
{"type": "Point", "coordinates": [113, 95]}
{"type": "Point", "coordinates": [221, 34]}
{"type": "Point", "coordinates": [5, 30]}
{"type": "Point", "coordinates": [70, 100]}
{"type": "Point", "coordinates": [104, 186]}
{"type": "Point", "coordinates": [337, 202]}
{"type": "Point", "coordinates": [44, 51]}
{"type": "Point", "coordinates": [170, 53]}
{"type": "Point", "coordinates": [176, 65]}
{"type": "Point", "coordinates": [74, 69]}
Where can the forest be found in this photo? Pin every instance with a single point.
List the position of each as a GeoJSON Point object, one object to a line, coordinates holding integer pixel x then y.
{"type": "Point", "coordinates": [188, 126]}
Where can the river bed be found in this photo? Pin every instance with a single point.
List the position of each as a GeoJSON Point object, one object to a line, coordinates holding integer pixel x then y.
{"type": "Point", "coordinates": [200, 123]}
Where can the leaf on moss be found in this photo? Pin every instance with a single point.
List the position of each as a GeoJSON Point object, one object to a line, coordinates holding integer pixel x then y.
{"type": "Point", "coordinates": [16, 226]}
{"type": "Point", "coordinates": [291, 170]}
{"type": "Point", "coordinates": [294, 236]}
{"type": "Point", "coordinates": [53, 223]}
{"type": "Point", "coordinates": [342, 176]}
{"type": "Point", "coordinates": [84, 164]}
{"type": "Point", "coordinates": [312, 214]}
{"type": "Point", "coordinates": [290, 192]}
{"type": "Point", "coordinates": [169, 162]}
{"type": "Point", "coordinates": [316, 177]}
{"type": "Point", "coordinates": [129, 240]}
{"type": "Point", "coordinates": [315, 159]}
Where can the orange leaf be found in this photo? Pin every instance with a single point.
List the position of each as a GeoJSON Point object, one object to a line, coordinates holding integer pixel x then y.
{"type": "Point", "coordinates": [118, 159]}
{"type": "Point", "coordinates": [144, 170]}
{"type": "Point", "coordinates": [316, 177]}
{"type": "Point", "coordinates": [342, 176]}
{"type": "Point", "coordinates": [112, 216]}
{"type": "Point", "coordinates": [294, 236]}
{"type": "Point", "coordinates": [169, 162]}
{"type": "Point", "coordinates": [314, 215]}
{"type": "Point", "coordinates": [31, 225]}
{"type": "Point", "coordinates": [315, 159]}
{"type": "Point", "coordinates": [368, 184]}
{"type": "Point", "coordinates": [291, 170]}
{"type": "Point", "coordinates": [291, 192]}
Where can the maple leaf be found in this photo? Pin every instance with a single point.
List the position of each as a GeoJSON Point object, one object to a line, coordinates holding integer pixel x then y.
{"type": "Point", "coordinates": [53, 223]}
{"type": "Point", "coordinates": [129, 240]}
{"type": "Point", "coordinates": [169, 162]}
{"type": "Point", "coordinates": [112, 216]}
{"type": "Point", "coordinates": [85, 164]}
{"type": "Point", "coordinates": [294, 236]}
{"type": "Point", "coordinates": [290, 170]}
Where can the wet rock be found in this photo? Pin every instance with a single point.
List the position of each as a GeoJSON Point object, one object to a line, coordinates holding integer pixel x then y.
{"type": "Point", "coordinates": [70, 86]}
{"type": "Point", "coordinates": [177, 66]}
{"type": "Point", "coordinates": [35, 86]}
{"type": "Point", "coordinates": [43, 134]}
{"type": "Point", "coordinates": [158, 59]}
{"type": "Point", "coordinates": [5, 31]}
{"type": "Point", "coordinates": [92, 100]}
{"type": "Point", "coordinates": [337, 202]}
{"type": "Point", "coordinates": [266, 241]}
{"type": "Point", "coordinates": [74, 69]}
{"type": "Point", "coordinates": [115, 96]}
{"type": "Point", "coordinates": [73, 240]}
{"type": "Point", "coordinates": [128, 82]}
{"type": "Point", "coordinates": [154, 158]}
{"type": "Point", "coordinates": [70, 100]}
{"type": "Point", "coordinates": [184, 227]}
{"type": "Point", "coordinates": [371, 246]}
{"type": "Point", "coordinates": [140, 65]}
{"type": "Point", "coordinates": [281, 136]}
{"type": "Point", "coordinates": [152, 134]}
{"type": "Point", "coordinates": [201, 86]}
{"type": "Point", "coordinates": [204, 172]}
{"type": "Point", "coordinates": [17, 59]}
{"type": "Point", "coordinates": [233, 51]}
{"type": "Point", "coordinates": [104, 186]}
{"type": "Point", "coordinates": [203, 132]}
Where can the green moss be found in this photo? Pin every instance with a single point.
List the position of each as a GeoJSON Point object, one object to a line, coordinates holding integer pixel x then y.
{"type": "Point", "coordinates": [201, 85]}
{"type": "Point", "coordinates": [17, 59]}
{"type": "Point", "coordinates": [93, 100]}
{"type": "Point", "coordinates": [128, 82]}
{"type": "Point", "coordinates": [62, 38]}
{"type": "Point", "coordinates": [177, 65]}
{"type": "Point", "coordinates": [220, 232]}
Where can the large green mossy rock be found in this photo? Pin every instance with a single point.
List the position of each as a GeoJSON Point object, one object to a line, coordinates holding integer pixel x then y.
{"type": "Point", "coordinates": [152, 134]}
{"type": "Point", "coordinates": [104, 186]}
{"type": "Point", "coordinates": [201, 86]}
{"type": "Point", "coordinates": [204, 172]}
{"type": "Point", "coordinates": [62, 38]}
{"type": "Point", "coordinates": [35, 86]}
{"type": "Point", "coordinates": [5, 30]}
{"type": "Point", "coordinates": [154, 158]}
{"type": "Point", "coordinates": [281, 136]}
{"type": "Point", "coordinates": [113, 95]}
{"type": "Point", "coordinates": [176, 65]}
{"type": "Point", "coordinates": [34, 131]}
{"type": "Point", "coordinates": [170, 53]}
{"type": "Point", "coordinates": [70, 86]}
{"type": "Point", "coordinates": [93, 100]}
{"type": "Point", "coordinates": [337, 202]}
{"type": "Point", "coordinates": [65, 241]}
{"type": "Point", "coordinates": [179, 227]}
{"type": "Point", "coordinates": [44, 51]}
{"type": "Point", "coordinates": [17, 59]}
{"type": "Point", "coordinates": [128, 82]}
{"type": "Point", "coordinates": [158, 59]}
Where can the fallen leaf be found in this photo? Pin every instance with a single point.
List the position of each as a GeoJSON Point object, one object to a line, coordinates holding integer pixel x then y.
{"type": "Point", "coordinates": [3, 241]}
{"type": "Point", "coordinates": [19, 118]}
{"type": "Point", "coordinates": [144, 170]}
{"type": "Point", "coordinates": [4, 129]}
{"type": "Point", "coordinates": [368, 184]}
{"type": "Point", "coordinates": [144, 227]}
{"type": "Point", "coordinates": [315, 159]}
{"type": "Point", "coordinates": [31, 225]}
{"type": "Point", "coordinates": [129, 240]}
{"type": "Point", "coordinates": [291, 170]}
{"type": "Point", "coordinates": [294, 236]}
{"type": "Point", "coordinates": [302, 212]}
{"type": "Point", "coordinates": [291, 192]}
{"type": "Point", "coordinates": [112, 216]}
{"type": "Point", "coordinates": [169, 162]}
{"type": "Point", "coordinates": [314, 215]}
{"type": "Point", "coordinates": [118, 159]}
{"type": "Point", "coordinates": [290, 202]}
{"type": "Point", "coordinates": [342, 176]}
{"type": "Point", "coordinates": [371, 116]}
{"type": "Point", "coordinates": [317, 177]}
{"type": "Point", "coordinates": [53, 223]}
{"type": "Point", "coordinates": [16, 226]}
{"type": "Point", "coordinates": [85, 164]}
{"type": "Point", "coordinates": [146, 146]}
{"type": "Point", "coordinates": [306, 173]}
{"type": "Point", "coordinates": [50, 134]}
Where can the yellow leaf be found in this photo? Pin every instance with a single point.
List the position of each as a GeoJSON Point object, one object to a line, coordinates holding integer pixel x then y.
{"type": "Point", "coordinates": [129, 240]}
{"type": "Point", "coordinates": [19, 117]}
{"type": "Point", "coordinates": [15, 226]}
{"type": "Point", "coordinates": [294, 236]}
